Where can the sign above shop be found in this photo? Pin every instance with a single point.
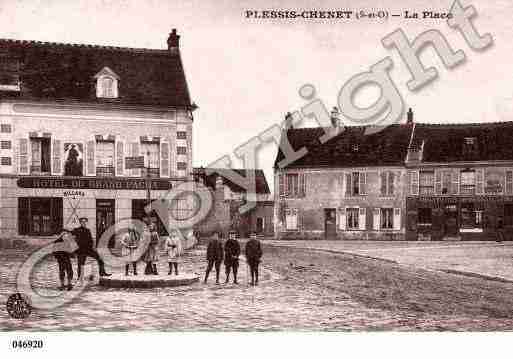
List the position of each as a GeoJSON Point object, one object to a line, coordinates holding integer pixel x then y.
{"type": "Point", "coordinates": [92, 183]}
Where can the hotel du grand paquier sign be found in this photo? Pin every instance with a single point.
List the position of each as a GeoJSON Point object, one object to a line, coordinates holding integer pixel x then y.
{"type": "Point", "coordinates": [92, 183]}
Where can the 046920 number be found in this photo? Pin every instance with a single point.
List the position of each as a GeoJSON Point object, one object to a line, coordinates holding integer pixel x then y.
{"type": "Point", "coordinates": [27, 344]}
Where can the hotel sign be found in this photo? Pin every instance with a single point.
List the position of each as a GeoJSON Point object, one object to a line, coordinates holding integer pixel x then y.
{"type": "Point", "coordinates": [92, 183]}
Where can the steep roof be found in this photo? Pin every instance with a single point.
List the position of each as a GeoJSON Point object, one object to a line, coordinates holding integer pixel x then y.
{"type": "Point", "coordinates": [464, 142]}
{"type": "Point", "coordinates": [261, 183]}
{"type": "Point", "coordinates": [351, 148]}
{"type": "Point", "coordinates": [66, 72]}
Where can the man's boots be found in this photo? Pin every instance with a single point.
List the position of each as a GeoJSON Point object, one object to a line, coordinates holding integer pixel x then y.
{"type": "Point", "coordinates": [155, 269]}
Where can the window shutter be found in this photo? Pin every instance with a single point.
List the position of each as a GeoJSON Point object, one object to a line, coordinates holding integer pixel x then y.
{"type": "Point", "coordinates": [349, 184]}
{"type": "Point", "coordinates": [302, 184]}
{"type": "Point", "coordinates": [120, 158]}
{"type": "Point", "coordinates": [23, 156]}
{"type": "Point", "coordinates": [134, 152]}
{"type": "Point", "coordinates": [23, 215]}
{"type": "Point", "coordinates": [376, 219]}
{"type": "Point", "coordinates": [90, 159]}
{"type": "Point", "coordinates": [391, 184]}
{"type": "Point", "coordinates": [342, 219]}
{"type": "Point", "coordinates": [438, 182]}
{"type": "Point", "coordinates": [164, 159]}
{"type": "Point", "coordinates": [383, 184]}
{"type": "Point", "coordinates": [509, 182]}
{"type": "Point", "coordinates": [363, 182]}
{"type": "Point", "coordinates": [57, 152]}
{"type": "Point", "coordinates": [414, 183]}
{"type": "Point", "coordinates": [281, 185]}
{"type": "Point", "coordinates": [362, 220]}
{"type": "Point", "coordinates": [397, 219]}
{"type": "Point", "coordinates": [480, 181]}
{"type": "Point", "coordinates": [456, 182]}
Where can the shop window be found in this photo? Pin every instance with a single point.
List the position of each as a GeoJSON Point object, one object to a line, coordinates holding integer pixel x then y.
{"type": "Point", "coordinates": [291, 219]}
{"type": "Point", "coordinates": [424, 216]}
{"type": "Point", "coordinates": [470, 216]}
{"type": "Point", "coordinates": [105, 158]}
{"type": "Point", "coordinates": [39, 216]}
{"type": "Point", "coordinates": [446, 182]}
{"type": "Point", "coordinates": [151, 152]}
{"type": "Point", "coordinates": [387, 183]}
{"type": "Point", "coordinates": [468, 182]}
{"type": "Point", "coordinates": [353, 218]}
{"type": "Point", "coordinates": [427, 183]}
{"type": "Point", "coordinates": [387, 218]}
{"type": "Point", "coordinates": [5, 128]}
{"type": "Point", "coordinates": [508, 214]}
{"type": "Point", "coordinates": [139, 213]}
{"type": "Point", "coordinates": [40, 151]}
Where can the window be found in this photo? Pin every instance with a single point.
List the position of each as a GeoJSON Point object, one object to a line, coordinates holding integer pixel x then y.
{"type": "Point", "coordinates": [468, 182]}
{"type": "Point", "coordinates": [293, 184]}
{"type": "Point", "coordinates": [387, 218]}
{"type": "Point", "coordinates": [387, 183]}
{"type": "Point", "coordinates": [446, 182]}
{"type": "Point", "coordinates": [291, 219]}
{"type": "Point", "coordinates": [356, 183]}
{"type": "Point", "coordinates": [427, 183]}
{"type": "Point", "coordinates": [180, 209]}
{"type": "Point", "coordinates": [470, 217]}
{"type": "Point", "coordinates": [509, 182]}
{"type": "Point", "coordinates": [470, 148]}
{"type": "Point", "coordinates": [6, 161]}
{"type": "Point", "coordinates": [5, 145]}
{"type": "Point", "coordinates": [9, 74]}
{"type": "Point", "coordinates": [151, 153]}
{"type": "Point", "coordinates": [40, 151]}
{"type": "Point", "coordinates": [181, 150]}
{"type": "Point", "coordinates": [107, 87]}
{"type": "Point", "coordinates": [353, 218]}
{"type": "Point", "coordinates": [424, 216]}
{"type": "Point", "coordinates": [181, 166]}
{"type": "Point", "coordinates": [181, 135]}
{"type": "Point", "coordinates": [5, 128]}
{"type": "Point", "coordinates": [106, 83]}
{"type": "Point", "coordinates": [105, 158]}
{"type": "Point", "coordinates": [39, 216]}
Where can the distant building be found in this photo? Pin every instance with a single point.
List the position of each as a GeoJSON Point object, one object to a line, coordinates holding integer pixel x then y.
{"type": "Point", "coordinates": [460, 181]}
{"type": "Point", "coordinates": [70, 115]}
{"type": "Point", "coordinates": [229, 197]}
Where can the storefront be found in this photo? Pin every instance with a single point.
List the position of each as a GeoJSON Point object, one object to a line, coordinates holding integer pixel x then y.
{"type": "Point", "coordinates": [461, 218]}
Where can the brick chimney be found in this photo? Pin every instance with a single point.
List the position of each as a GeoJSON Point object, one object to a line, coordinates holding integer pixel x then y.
{"type": "Point", "coordinates": [173, 41]}
{"type": "Point", "coordinates": [409, 116]}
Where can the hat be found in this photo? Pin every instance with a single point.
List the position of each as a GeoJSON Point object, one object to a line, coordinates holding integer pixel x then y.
{"type": "Point", "coordinates": [83, 219]}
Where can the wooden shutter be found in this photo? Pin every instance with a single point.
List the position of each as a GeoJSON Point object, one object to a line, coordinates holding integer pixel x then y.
{"type": "Point", "coordinates": [438, 182]}
{"type": "Point", "coordinates": [397, 219]}
{"type": "Point", "coordinates": [383, 183]}
{"type": "Point", "coordinates": [349, 184]}
{"type": "Point", "coordinates": [342, 219]}
{"type": "Point", "coordinates": [23, 156]}
{"type": "Point", "coordinates": [456, 182]}
{"type": "Point", "coordinates": [376, 219]}
{"type": "Point", "coordinates": [391, 183]}
{"type": "Point", "coordinates": [509, 182]}
{"type": "Point", "coordinates": [414, 183]}
{"type": "Point", "coordinates": [302, 185]}
{"type": "Point", "coordinates": [91, 158]}
{"type": "Point", "coordinates": [57, 152]}
{"type": "Point", "coordinates": [362, 219]}
{"type": "Point", "coordinates": [281, 185]}
{"type": "Point", "coordinates": [479, 181]}
{"type": "Point", "coordinates": [134, 152]}
{"type": "Point", "coordinates": [363, 182]}
{"type": "Point", "coordinates": [23, 215]}
{"type": "Point", "coordinates": [120, 158]}
{"type": "Point", "coordinates": [164, 159]}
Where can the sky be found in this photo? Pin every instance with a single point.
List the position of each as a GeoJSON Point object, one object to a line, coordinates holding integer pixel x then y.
{"type": "Point", "coordinates": [244, 74]}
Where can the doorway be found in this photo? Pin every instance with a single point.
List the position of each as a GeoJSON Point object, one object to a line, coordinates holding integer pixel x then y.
{"type": "Point", "coordinates": [451, 226]}
{"type": "Point", "coordinates": [259, 225]}
{"type": "Point", "coordinates": [105, 217]}
{"type": "Point", "coordinates": [330, 223]}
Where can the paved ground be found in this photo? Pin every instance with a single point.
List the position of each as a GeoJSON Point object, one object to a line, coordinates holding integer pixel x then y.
{"type": "Point", "coordinates": [489, 259]}
{"type": "Point", "coordinates": [301, 290]}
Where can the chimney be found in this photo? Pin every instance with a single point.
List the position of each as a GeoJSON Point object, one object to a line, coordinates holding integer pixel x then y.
{"type": "Point", "coordinates": [409, 116]}
{"type": "Point", "coordinates": [335, 117]}
{"type": "Point", "coordinates": [287, 124]}
{"type": "Point", "coordinates": [173, 41]}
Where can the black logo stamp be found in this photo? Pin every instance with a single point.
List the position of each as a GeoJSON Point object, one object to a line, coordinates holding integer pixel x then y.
{"type": "Point", "coordinates": [18, 306]}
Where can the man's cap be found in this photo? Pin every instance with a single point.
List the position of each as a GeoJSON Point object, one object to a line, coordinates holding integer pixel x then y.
{"type": "Point", "coordinates": [83, 219]}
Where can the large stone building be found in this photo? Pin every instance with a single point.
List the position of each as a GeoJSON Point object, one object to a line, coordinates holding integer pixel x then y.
{"type": "Point", "coordinates": [228, 197]}
{"type": "Point", "coordinates": [70, 115]}
{"type": "Point", "coordinates": [350, 187]}
{"type": "Point", "coordinates": [460, 181]}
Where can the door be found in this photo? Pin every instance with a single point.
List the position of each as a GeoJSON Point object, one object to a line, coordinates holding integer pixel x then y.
{"type": "Point", "coordinates": [105, 209]}
{"type": "Point", "coordinates": [330, 223]}
{"type": "Point", "coordinates": [451, 226]}
{"type": "Point", "coordinates": [259, 225]}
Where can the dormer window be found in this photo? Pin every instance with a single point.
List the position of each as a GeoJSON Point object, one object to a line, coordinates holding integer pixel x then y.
{"type": "Point", "coordinates": [107, 83]}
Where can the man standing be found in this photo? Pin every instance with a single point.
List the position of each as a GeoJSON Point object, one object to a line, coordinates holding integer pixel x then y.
{"type": "Point", "coordinates": [85, 249]}
{"type": "Point", "coordinates": [214, 255]}
{"type": "Point", "coordinates": [253, 255]}
{"type": "Point", "coordinates": [231, 256]}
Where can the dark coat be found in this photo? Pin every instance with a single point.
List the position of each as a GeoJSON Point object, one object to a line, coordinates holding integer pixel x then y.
{"type": "Point", "coordinates": [84, 239]}
{"type": "Point", "coordinates": [231, 250]}
{"type": "Point", "coordinates": [253, 250]}
{"type": "Point", "coordinates": [61, 255]}
{"type": "Point", "coordinates": [215, 250]}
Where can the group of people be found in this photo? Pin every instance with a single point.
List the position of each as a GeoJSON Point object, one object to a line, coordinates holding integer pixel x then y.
{"type": "Point", "coordinates": [230, 253]}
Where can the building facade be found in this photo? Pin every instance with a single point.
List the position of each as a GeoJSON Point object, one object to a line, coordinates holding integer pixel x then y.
{"type": "Point", "coordinates": [350, 187]}
{"type": "Point", "coordinates": [70, 117]}
{"type": "Point", "coordinates": [228, 197]}
{"type": "Point", "coordinates": [460, 182]}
